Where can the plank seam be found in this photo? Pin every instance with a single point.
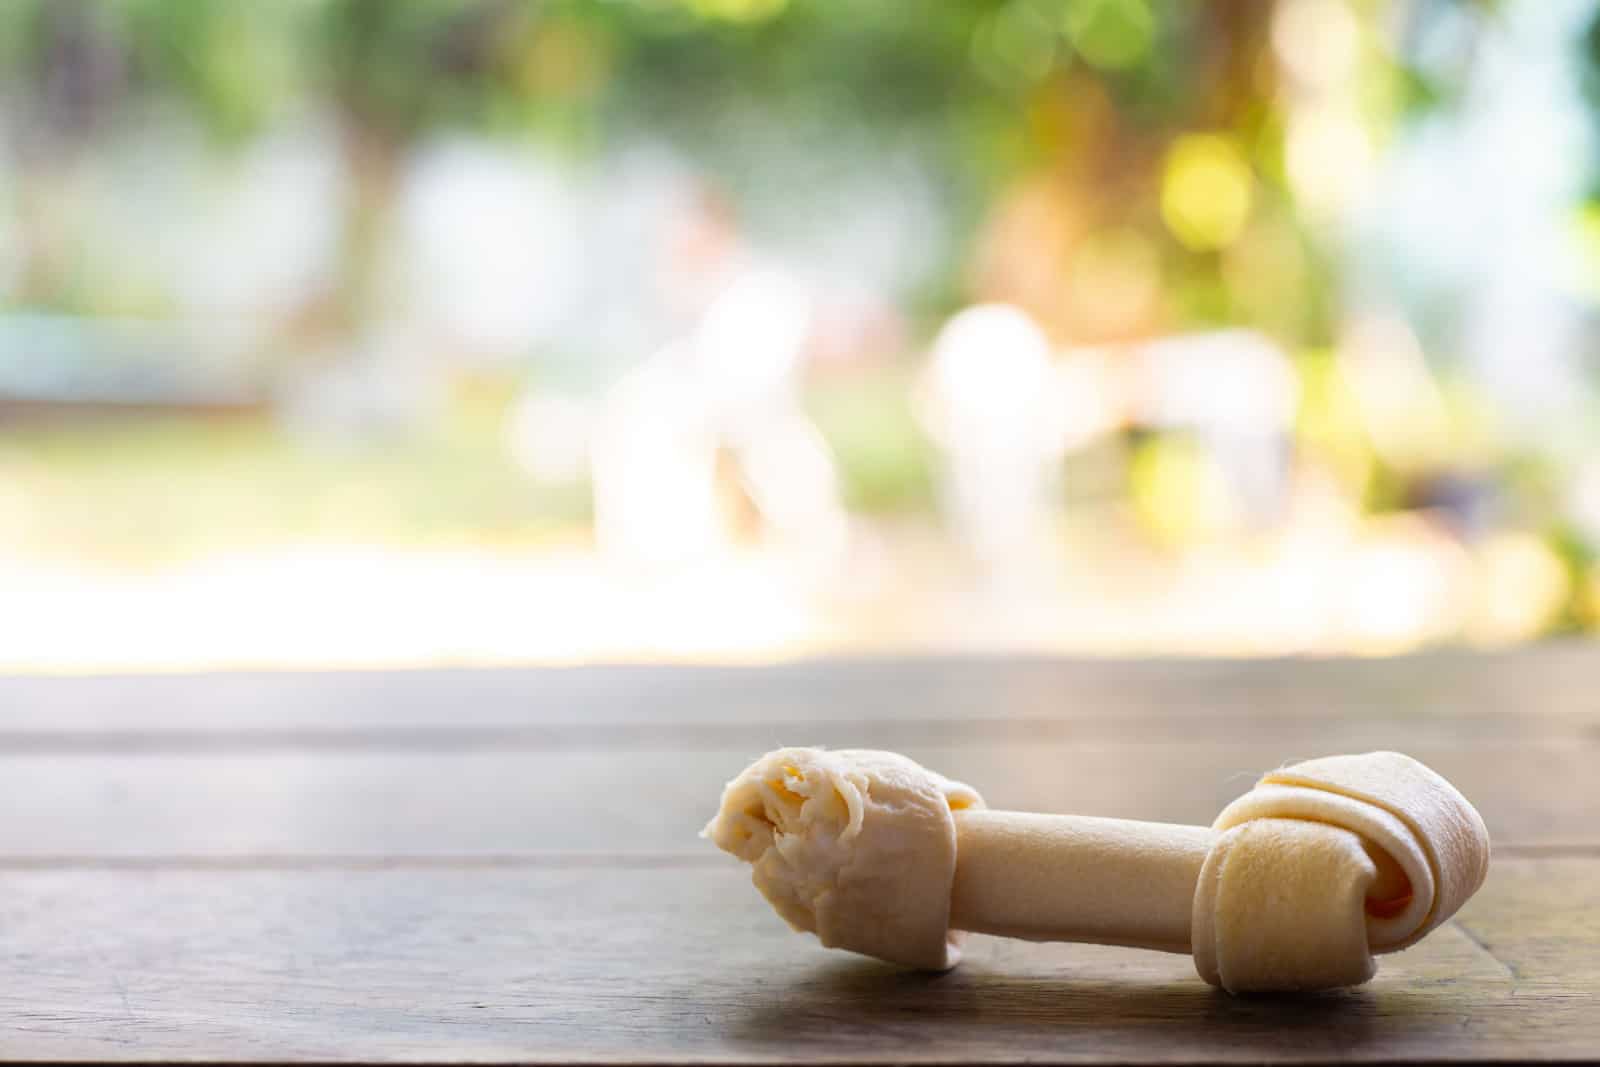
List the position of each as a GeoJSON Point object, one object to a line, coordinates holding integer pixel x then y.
{"type": "Point", "coordinates": [508, 860]}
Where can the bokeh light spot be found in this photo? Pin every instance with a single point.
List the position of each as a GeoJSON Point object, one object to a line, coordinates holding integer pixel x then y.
{"type": "Point", "coordinates": [1015, 46]}
{"type": "Point", "coordinates": [1205, 191]}
{"type": "Point", "coordinates": [738, 10]}
{"type": "Point", "coordinates": [1522, 585]}
{"type": "Point", "coordinates": [1178, 493]}
{"type": "Point", "coordinates": [1111, 34]}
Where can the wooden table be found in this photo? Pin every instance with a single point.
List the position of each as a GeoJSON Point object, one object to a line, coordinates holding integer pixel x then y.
{"type": "Point", "coordinates": [503, 867]}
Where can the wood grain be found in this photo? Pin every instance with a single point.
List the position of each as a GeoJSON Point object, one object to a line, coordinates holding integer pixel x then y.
{"type": "Point", "coordinates": [1557, 679]}
{"type": "Point", "coordinates": [500, 866]}
{"type": "Point", "coordinates": [679, 965]}
{"type": "Point", "coordinates": [363, 802]}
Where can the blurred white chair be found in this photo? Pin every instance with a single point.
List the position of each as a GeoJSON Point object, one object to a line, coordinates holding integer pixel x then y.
{"type": "Point", "coordinates": [747, 354]}
{"type": "Point", "coordinates": [989, 401]}
{"type": "Point", "coordinates": [654, 467]}
{"type": "Point", "coordinates": [733, 386]}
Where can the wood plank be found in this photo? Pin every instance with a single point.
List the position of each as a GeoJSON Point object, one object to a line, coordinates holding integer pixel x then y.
{"type": "Point", "coordinates": [360, 803]}
{"type": "Point", "coordinates": [688, 965]}
{"type": "Point", "coordinates": [894, 733]}
{"type": "Point", "coordinates": [1552, 680]}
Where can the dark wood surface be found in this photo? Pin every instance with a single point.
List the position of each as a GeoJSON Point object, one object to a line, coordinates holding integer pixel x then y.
{"type": "Point", "coordinates": [459, 866]}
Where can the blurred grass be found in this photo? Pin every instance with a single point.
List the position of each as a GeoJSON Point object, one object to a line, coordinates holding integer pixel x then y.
{"type": "Point", "coordinates": [148, 489]}
{"type": "Point", "coordinates": [153, 489]}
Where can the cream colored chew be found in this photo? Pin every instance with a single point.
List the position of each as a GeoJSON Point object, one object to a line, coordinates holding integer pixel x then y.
{"type": "Point", "coordinates": [1326, 862]}
{"type": "Point", "coordinates": [1076, 878]}
{"type": "Point", "coordinates": [856, 846]}
{"type": "Point", "coordinates": [1294, 887]}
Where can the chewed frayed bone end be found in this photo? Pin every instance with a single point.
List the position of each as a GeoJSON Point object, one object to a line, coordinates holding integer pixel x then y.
{"type": "Point", "coordinates": [1296, 885]}
{"type": "Point", "coordinates": [855, 846]}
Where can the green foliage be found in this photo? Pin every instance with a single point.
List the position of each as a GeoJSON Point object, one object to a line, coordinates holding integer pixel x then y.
{"type": "Point", "coordinates": [236, 63]}
{"type": "Point", "coordinates": [1579, 556]}
{"type": "Point", "coordinates": [64, 64]}
{"type": "Point", "coordinates": [147, 491]}
{"type": "Point", "coordinates": [396, 68]}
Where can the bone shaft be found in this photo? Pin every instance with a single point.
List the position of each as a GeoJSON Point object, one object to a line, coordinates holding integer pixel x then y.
{"type": "Point", "coordinates": [1077, 878]}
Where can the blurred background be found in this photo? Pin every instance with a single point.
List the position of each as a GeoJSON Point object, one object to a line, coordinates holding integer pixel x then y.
{"type": "Point", "coordinates": [344, 332]}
